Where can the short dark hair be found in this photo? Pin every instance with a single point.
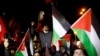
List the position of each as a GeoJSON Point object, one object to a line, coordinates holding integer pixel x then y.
{"type": "Point", "coordinates": [83, 50]}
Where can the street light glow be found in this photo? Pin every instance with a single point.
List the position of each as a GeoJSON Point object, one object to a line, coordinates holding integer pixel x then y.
{"type": "Point", "coordinates": [83, 9]}
{"type": "Point", "coordinates": [81, 13]}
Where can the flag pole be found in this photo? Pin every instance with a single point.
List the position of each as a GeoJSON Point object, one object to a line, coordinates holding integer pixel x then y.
{"type": "Point", "coordinates": [22, 40]}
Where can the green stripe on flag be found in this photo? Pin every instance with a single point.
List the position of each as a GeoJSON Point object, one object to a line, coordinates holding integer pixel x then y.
{"type": "Point", "coordinates": [19, 53]}
{"type": "Point", "coordinates": [64, 42]}
{"type": "Point", "coordinates": [83, 37]}
{"type": "Point", "coordinates": [55, 36]}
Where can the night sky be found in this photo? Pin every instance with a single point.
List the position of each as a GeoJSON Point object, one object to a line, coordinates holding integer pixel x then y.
{"type": "Point", "coordinates": [27, 11]}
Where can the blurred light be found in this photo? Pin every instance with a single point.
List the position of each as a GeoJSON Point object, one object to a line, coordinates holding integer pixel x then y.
{"type": "Point", "coordinates": [78, 43]}
{"type": "Point", "coordinates": [22, 32]}
{"type": "Point", "coordinates": [6, 43]}
{"type": "Point", "coordinates": [75, 32]}
{"type": "Point", "coordinates": [32, 23]}
{"type": "Point", "coordinates": [4, 13]}
{"type": "Point", "coordinates": [83, 9]}
{"type": "Point", "coordinates": [81, 13]}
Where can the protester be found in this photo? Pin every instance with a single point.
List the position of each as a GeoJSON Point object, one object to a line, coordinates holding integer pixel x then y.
{"type": "Point", "coordinates": [45, 38]}
{"type": "Point", "coordinates": [32, 29]}
{"type": "Point", "coordinates": [40, 21]}
{"type": "Point", "coordinates": [78, 52]}
{"type": "Point", "coordinates": [36, 54]}
{"type": "Point", "coordinates": [5, 46]}
{"type": "Point", "coordinates": [63, 51]}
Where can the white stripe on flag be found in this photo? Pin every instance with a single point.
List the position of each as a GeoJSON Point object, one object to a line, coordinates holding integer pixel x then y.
{"type": "Point", "coordinates": [94, 39]}
{"type": "Point", "coordinates": [25, 52]}
{"type": "Point", "coordinates": [58, 28]}
{"type": "Point", "coordinates": [31, 47]}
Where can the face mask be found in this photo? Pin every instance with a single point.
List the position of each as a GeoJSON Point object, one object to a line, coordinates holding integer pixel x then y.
{"type": "Point", "coordinates": [45, 31]}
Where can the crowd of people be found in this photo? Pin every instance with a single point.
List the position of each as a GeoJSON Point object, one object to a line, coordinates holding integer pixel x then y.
{"type": "Point", "coordinates": [42, 42]}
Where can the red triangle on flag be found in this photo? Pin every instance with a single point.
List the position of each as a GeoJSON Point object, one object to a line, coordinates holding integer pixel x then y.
{"type": "Point", "coordinates": [67, 37]}
{"type": "Point", "coordinates": [60, 42]}
{"type": "Point", "coordinates": [84, 22]}
{"type": "Point", "coordinates": [22, 47]}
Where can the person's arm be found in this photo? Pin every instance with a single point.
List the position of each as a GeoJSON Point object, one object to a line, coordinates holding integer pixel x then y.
{"type": "Point", "coordinates": [58, 52]}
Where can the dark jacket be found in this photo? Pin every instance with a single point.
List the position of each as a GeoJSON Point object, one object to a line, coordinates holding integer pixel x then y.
{"type": "Point", "coordinates": [45, 38]}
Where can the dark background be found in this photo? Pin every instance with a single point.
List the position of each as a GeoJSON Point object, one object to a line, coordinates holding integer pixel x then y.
{"type": "Point", "coordinates": [27, 10]}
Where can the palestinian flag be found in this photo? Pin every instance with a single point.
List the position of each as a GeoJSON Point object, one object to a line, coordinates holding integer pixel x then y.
{"type": "Point", "coordinates": [60, 25]}
{"type": "Point", "coordinates": [66, 40]}
{"type": "Point", "coordinates": [87, 30]}
{"type": "Point", "coordinates": [22, 50]}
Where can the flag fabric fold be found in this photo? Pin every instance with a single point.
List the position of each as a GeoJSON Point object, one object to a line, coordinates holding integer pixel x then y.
{"type": "Point", "coordinates": [60, 25]}
{"type": "Point", "coordinates": [31, 46]}
{"type": "Point", "coordinates": [86, 31]}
